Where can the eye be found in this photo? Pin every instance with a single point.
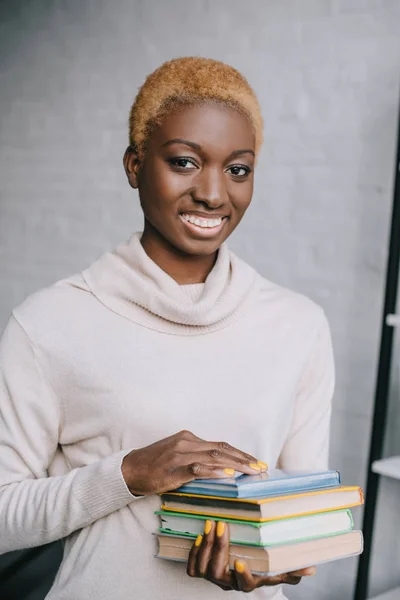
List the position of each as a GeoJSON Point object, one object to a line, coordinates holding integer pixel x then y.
{"type": "Point", "coordinates": [240, 171]}
{"type": "Point", "coordinates": [183, 163]}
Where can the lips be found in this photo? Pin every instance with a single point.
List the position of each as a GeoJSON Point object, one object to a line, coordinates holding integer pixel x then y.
{"type": "Point", "coordinates": [201, 226]}
{"type": "Point", "coordinates": [202, 221]}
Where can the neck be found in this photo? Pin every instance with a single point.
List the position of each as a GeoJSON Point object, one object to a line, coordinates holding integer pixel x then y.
{"type": "Point", "coordinates": [183, 268]}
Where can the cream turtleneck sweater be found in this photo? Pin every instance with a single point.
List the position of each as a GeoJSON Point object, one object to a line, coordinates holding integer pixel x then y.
{"type": "Point", "coordinates": [121, 356]}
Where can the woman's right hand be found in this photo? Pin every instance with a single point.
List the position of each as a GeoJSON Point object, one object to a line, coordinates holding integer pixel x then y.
{"type": "Point", "coordinates": [180, 458]}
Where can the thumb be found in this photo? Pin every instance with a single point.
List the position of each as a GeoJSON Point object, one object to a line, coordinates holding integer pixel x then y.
{"type": "Point", "coordinates": [186, 473]}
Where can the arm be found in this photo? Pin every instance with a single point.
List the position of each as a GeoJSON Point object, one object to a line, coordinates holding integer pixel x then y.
{"type": "Point", "coordinates": [36, 509]}
{"type": "Point", "coordinates": [307, 445]}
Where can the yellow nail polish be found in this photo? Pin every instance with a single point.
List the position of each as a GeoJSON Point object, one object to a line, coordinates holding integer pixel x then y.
{"type": "Point", "coordinates": [239, 566]}
{"type": "Point", "coordinates": [262, 464]}
{"type": "Point", "coordinates": [255, 466]}
{"type": "Point", "coordinates": [198, 541]}
{"type": "Point", "coordinates": [229, 472]}
{"type": "Point", "coordinates": [220, 528]}
{"type": "Point", "coordinates": [207, 527]}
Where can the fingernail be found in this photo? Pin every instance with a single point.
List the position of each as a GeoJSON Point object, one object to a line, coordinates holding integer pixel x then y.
{"type": "Point", "coordinates": [262, 464]}
{"type": "Point", "coordinates": [310, 571]}
{"type": "Point", "coordinates": [255, 466]}
{"type": "Point", "coordinates": [229, 472]}
{"type": "Point", "coordinates": [239, 566]}
{"type": "Point", "coordinates": [198, 541]}
{"type": "Point", "coordinates": [220, 528]}
{"type": "Point", "coordinates": [207, 527]}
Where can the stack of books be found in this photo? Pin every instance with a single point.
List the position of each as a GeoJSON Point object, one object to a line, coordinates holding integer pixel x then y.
{"type": "Point", "coordinates": [279, 521]}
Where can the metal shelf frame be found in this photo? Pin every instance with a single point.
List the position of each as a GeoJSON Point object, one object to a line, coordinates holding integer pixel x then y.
{"type": "Point", "coordinates": [389, 321]}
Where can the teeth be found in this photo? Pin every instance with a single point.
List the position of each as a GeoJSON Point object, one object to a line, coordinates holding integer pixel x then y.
{"type": "Point", "coordinates": [200, 222]}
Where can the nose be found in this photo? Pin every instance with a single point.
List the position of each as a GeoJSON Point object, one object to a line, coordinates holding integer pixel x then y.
{"type": "Point", "coordinates": [211, 188]}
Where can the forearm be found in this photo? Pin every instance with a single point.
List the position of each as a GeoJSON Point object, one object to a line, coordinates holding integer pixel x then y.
{"type": "Point", "coordinates": [34, 512]}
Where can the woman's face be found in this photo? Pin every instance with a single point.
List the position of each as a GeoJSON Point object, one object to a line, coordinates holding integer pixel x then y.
{"type": "Point", "coordinates": [196, 180]}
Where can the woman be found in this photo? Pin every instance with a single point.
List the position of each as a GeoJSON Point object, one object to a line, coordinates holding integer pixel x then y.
{"type": "Point", "coordinates": [119, 383]}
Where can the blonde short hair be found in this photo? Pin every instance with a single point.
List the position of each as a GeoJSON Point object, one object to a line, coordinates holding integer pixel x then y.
{"type": "Point", "coordinates": [186, 81]}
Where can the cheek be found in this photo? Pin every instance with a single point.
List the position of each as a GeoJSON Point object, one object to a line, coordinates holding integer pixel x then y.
{"type": "Point", "coordinates": [241, 196]}
{"type": "Point", "coordinates": [167, 185]}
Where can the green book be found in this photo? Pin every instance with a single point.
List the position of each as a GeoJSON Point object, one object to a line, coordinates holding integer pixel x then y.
{"type": "Point", "coordinates": [282, 531]}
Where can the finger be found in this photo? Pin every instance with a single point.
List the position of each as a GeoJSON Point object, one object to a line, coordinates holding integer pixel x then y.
{"type": "Point", "coordinates": [192, 559]}
{"type": "Point", "coordinates": [245, 581]}
{"type": "Point", "coordinates": [231, 450]}
{"type": "Point", "coordinates": [204, 552]}
{"type": "Point", "coordinates": [307, 572]}
{"type": "Point", "coordinates": [187, 473]}
{"type": "Point", "coordinates": [289, 578]}
{"type": "Point", "coordinates": [294, 577]}
{"type": "Point", "coordinates": [218, 569]}
{"type": "Point", "coordinates": [216, 458]}
{"type": "Point", "coordinates": [225, 447]}
{"type": "Point", "coordinates": [191, 438]}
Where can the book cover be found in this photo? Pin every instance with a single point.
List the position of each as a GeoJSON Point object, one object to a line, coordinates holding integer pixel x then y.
{"type": "Point", "coordinates": [275, 560]}
{"type": "Point", "coordinates": [265, 509]}
{"type": "Point", "coordinates": [275, 482]}
{"type": "Point", "coordinates": [263, 534]}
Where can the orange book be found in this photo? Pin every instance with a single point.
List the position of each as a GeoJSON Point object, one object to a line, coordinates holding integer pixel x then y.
{"type": "Point", "coordinates": [264, 509]}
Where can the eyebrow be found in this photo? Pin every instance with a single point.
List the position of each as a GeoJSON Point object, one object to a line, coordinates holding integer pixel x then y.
{"type": "Point", "coordinates": [199, 148]}
{"type": "Point", "coordinates": [184, 142]}
{"type": "Point", "coordinates": [240, 152]}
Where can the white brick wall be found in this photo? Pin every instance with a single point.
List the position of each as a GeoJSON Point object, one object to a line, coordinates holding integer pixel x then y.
{"type": "Point", "coordinates": [327, 74]}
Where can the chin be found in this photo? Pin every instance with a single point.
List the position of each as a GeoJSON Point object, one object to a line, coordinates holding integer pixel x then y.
{"type": "Point", "coordinates": [198, 247]}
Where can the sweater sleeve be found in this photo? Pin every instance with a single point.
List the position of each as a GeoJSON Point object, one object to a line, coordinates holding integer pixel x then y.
{"type": "Point", "coordinates": [307, 445]}
{"type": "Point", "coordinates": [36, 509]}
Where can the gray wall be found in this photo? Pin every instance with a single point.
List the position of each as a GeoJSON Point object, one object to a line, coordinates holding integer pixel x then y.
{"type": "Point", "coordinates": [327, 75]}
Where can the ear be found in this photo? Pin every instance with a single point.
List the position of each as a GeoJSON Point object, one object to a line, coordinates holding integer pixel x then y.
{"type": "Point", "coordinates": [131, 165]}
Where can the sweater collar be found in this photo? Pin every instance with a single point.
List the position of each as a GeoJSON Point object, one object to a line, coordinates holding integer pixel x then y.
{"type": "Point", "coordinates": [128, 282]}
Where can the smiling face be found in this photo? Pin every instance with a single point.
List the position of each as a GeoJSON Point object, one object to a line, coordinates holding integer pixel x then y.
{"type": "Point", "coordinates": [196, 180]}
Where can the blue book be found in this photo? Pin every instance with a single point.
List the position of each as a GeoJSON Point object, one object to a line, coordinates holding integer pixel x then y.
{"type": "Point", "coordinates": [274, 483]}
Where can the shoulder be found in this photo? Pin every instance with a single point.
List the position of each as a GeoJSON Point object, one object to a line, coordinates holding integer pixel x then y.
{"type": "Point", "coordinates": [290, 306]}
{"type": "Point", "coordinates": [53, 308]}
{"type": "Point", "coordinates": [297, 324]}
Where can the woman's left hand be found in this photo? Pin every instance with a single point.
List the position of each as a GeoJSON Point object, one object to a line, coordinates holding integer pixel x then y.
{"type": "Point", "coordinates": [209, 559]}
